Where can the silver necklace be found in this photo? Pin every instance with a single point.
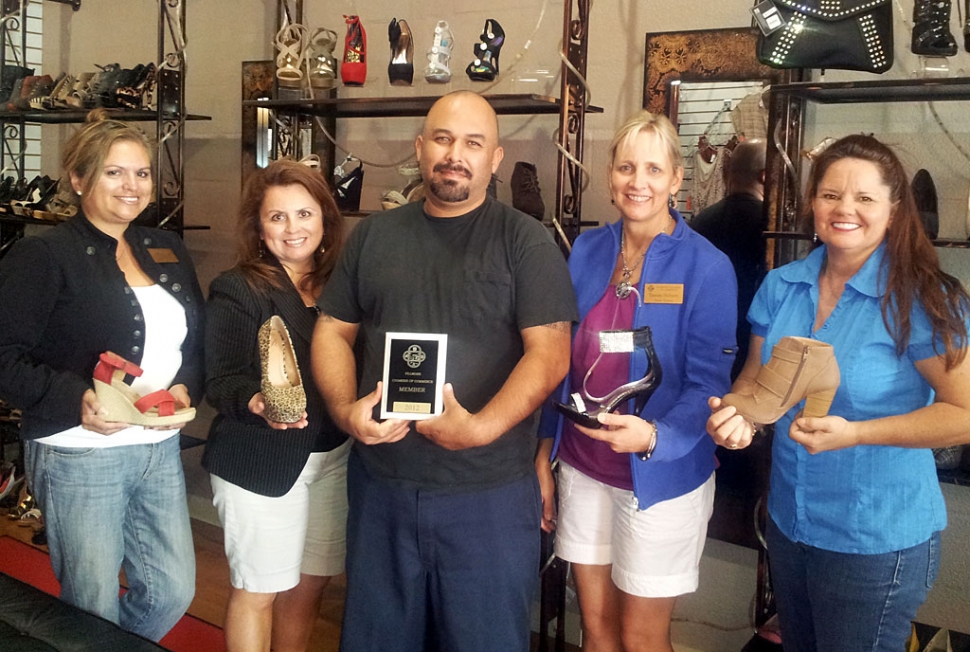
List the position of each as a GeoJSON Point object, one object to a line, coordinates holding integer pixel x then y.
{"type": "Point", "coordinates": [624, 287]}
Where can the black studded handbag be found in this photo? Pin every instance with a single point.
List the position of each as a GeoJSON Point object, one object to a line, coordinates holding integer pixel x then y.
{"type": "Point", "coordinates": [842, 34]}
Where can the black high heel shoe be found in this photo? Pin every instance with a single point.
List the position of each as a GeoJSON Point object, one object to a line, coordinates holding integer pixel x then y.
{"type": "Point", "coordinates": [485, 65]}
{"type": "Point", "coordinates": [640, 390]}
{"type": "Point", "coordinates": [401, 68]}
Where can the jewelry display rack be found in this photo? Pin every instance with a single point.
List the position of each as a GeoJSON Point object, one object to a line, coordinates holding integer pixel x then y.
{"type": "Point", "coordinates": [167, 209]}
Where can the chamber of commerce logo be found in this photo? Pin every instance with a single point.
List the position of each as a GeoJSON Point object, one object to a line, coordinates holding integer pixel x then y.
{"type": "Point", "coordinates": [414, 356]}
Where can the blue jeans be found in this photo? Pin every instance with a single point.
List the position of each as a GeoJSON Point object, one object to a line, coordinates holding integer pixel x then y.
{"type": "Point", "coordinates": [112, 508]}
{"type": "Point", "coordinates": [831, 601]}
{"type": "Point", "coordinates": [426, 570]}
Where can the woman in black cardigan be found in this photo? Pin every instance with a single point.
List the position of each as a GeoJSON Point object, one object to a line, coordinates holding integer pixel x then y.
{"type": "Point", "coordinates": [112, 492]}
{"type": "Point", "coordinates": [280, 488]}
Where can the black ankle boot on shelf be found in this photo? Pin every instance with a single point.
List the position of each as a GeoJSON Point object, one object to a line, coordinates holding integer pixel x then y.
{"type": "Point", "coordinates": [485, 65]}
{"type": "Point", "coordinates": [931, 29]}
{"type": "Point", "coordinates": [401, 68]}
{"type": "Point", "coordinates": [525, 190]}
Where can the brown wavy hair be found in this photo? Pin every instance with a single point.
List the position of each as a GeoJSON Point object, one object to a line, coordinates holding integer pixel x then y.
{"type": "Point", "coordinates": [911, 267]}
{"type": "Point", "coordinates": [260, 267]}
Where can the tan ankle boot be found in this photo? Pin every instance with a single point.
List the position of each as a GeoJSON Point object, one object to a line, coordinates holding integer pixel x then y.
{"type": "Point", "coordinates": [799, 368]}
{"type": "Point", "coordinates": [281, 384]}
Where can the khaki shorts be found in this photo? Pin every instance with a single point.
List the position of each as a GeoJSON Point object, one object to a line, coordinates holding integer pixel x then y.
{"type": "Point", "coordinates": [270, 542]}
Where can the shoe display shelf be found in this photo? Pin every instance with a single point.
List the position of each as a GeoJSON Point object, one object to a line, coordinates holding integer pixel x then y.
{"type": "Point", "coordinates": [169, 117]}
{"type": "Point", "coordinates": [786, 119]}
{"type": "Point", "coordinates": [274, 127]}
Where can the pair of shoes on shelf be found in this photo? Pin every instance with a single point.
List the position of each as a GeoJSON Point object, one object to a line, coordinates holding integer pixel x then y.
{"type": "Point", "coordinates": [800, 369]}
{"type": "Point", "coordinates": [640, 391]}
{"type": "Point", "coordinates": [485, 65]}
{"type": "Point", "coordinates": [305, 59]}
{"type": "Point", "coordinates": [122, 403]}
{"type": "Point", "coordinates": [280, 383]}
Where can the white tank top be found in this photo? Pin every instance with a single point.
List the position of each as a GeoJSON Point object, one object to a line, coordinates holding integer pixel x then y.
{"type": "Point", "coordinates": [165, 331]}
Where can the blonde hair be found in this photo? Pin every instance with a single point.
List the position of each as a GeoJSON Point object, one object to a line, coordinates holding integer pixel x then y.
{"type": "Point", "coordinates": [646, 122]}
{"type": "Point", "coordinates": [84, 153]}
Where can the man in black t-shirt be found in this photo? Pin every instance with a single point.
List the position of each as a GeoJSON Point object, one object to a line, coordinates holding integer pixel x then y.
{"type": "Point", "coordinates": [443, 528]}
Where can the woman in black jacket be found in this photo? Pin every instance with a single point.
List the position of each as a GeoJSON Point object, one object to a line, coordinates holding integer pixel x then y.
{"type": "Point", "coordinates": [280, 488]}
{"type": "Point", "coordinates": [98, 296]}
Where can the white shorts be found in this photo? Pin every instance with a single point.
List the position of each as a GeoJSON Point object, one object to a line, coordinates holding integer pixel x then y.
{"type": "Point", "coordinates": [271, 541]}
{"type": "Point", "coordinates": [655, 553]}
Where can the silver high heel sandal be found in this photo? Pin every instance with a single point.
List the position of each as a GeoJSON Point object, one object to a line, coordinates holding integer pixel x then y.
{"type": "Point", "coordinates": [620, 341]}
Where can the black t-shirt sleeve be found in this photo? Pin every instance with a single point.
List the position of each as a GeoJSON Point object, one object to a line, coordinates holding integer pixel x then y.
{"type": "Point", "coordinates": [544, 291]}
{"type": "Point", "coordinates": [339, 296]}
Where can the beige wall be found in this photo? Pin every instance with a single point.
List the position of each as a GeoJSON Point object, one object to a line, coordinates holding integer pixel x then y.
{"type": "Point", "coordinates": [223, 34]}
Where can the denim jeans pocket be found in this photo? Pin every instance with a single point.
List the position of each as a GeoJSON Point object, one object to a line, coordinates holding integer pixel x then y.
{"type": "Point", "coordinates": [70, 451]}
{"type": "Point", "coordinates": [933, 565]}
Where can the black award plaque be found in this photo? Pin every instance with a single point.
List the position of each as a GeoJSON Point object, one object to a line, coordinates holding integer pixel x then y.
{"type": "Point", "coordinates": [414, 375]}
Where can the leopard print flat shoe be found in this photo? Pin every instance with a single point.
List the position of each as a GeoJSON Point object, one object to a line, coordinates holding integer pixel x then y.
{"type": "Point", "coordinates": [281, 383]}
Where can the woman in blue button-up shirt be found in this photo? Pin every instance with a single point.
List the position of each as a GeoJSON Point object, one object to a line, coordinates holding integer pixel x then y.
{"type": "Point", "coordinates": [855, 506]}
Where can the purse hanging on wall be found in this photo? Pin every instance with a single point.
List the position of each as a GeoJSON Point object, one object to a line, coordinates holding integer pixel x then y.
{"type": "Point", "coordinates": [842, 34]}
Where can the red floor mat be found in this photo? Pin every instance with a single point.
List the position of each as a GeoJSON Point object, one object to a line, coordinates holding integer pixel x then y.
{"type": "Point", "coordinates": [30, 565]}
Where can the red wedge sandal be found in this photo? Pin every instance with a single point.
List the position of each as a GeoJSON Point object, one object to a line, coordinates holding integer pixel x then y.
{"type": "Point", "coordinates": [124, 404]}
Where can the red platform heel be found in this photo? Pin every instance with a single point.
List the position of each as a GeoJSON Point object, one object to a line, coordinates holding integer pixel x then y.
{"type": "Point", "coordinates": [124, 404]}
{"type": "Point", "coordinates": [353, 71]}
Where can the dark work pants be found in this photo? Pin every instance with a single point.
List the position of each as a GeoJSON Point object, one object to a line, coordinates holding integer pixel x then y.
{"type": "Point", "coordinates": [433, 571]}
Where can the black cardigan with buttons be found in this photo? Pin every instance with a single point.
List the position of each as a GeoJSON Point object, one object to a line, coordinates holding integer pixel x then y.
{"type": "Point", "coordinates": [64, 301]}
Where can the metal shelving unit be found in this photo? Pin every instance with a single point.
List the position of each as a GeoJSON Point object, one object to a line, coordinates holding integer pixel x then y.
{"type": "Point", "coordinates": [167, 209]}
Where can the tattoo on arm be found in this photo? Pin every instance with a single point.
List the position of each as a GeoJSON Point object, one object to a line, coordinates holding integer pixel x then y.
{"type": "Point", "coordinates": [561, 326]}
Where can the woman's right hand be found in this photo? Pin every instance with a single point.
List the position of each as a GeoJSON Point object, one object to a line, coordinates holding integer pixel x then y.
{"type": "Point", "coordinates": [728, 428]}
{"type": "Point", "coordinates": [91, 416]}
{"type": "Point", "coordinates": [258, 407]}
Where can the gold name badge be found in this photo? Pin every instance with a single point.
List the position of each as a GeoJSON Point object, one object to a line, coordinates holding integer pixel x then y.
{"type": "Point", "coordinates": [663, 293]}
{"type": "Point", "coordinates": [163, 255]}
